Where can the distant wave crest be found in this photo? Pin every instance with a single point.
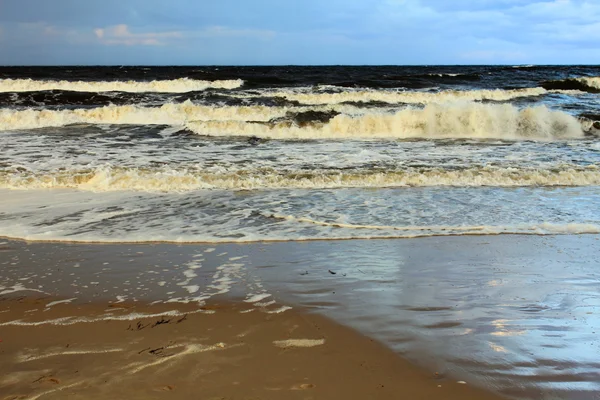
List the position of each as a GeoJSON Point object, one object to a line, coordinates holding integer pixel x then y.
{"type": "Point", "coordinates": [181, 85]}
{"type": "Point", "coordinates": [400, 96]}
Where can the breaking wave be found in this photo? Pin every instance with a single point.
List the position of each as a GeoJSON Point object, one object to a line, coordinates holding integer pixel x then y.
{"type": "Point", "coordinates": [470, 120]}
{"type": "Point", "coordinates": [181, 85]}
{"type": "Point", "coordinates": [458, 120]}
{"type": "Point", "coordinates": [408, 97]}
{"type": "Point", "coordinates": [172, 180]}
{"type": "Point", "coordinates": [592, 81]}
{"type": "Point", "coordinates": [168, 114]}
{"type": "Point", "coordinates": [587, 84]}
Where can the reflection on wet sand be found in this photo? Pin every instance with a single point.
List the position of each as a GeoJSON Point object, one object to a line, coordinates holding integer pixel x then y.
{"type": "Point", "coordinates": [517, 314]}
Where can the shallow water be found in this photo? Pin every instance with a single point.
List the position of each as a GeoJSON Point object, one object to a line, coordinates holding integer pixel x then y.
{"type": "Point", "coordinates": [300, 214]}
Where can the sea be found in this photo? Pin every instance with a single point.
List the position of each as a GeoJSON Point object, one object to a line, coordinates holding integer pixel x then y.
{"type": "Point", "coordinates": [291, 153]}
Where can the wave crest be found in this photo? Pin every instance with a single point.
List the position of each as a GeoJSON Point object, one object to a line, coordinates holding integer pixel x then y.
{"type": "Point", "coordinates": [168, 114]}
{"type": "Point", "coordinates": [408, 97]}
{"type": "Point", "coordinates": [181, 85]}
{"type": "Point", "coordinates": [586, 84]}
{"type": "Point", "coordinates": [455, 120]}
{"type": "Point", "coordinates": [170, 180]}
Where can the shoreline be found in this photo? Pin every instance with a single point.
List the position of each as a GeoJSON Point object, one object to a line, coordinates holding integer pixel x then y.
{"type": "Point", "coordinates": [7, 239]}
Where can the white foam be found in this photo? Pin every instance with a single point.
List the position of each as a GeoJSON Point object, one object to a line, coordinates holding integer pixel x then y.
{"type": "Point", "coordinates": [265, 304]}
{"type": "Point", "coordinates": [346, 232]}
{"type": "Point", "coordinates": [431, 230]}
{"type": "Point", "coordinates": [189, 273]}
{"type": "Point", "coordinates": [168, 114]}
{"type": "Point", "coordinates": [299, 343]}
{"type": "Point", "coordinates": [53, 303]}
{"type": "Point", "coordinates": [58, 389]}
{"type": "Point", "coordinates": [106, 179]}
{"type": "Point", "coordinates": [279, 310]}
{"type": "Point", "coordinates": [448, 120]}
{"type": "Point", "coordinates": [253, 298]}
{"type": "Point", "coordinates": [189, 349]}
{"type": "Point", "coordinates": [181, 85]}
{"type": "Point", "coordinates": [435, 121]}
{"type": "Point", "coordinates": [120, 299]}
{"type": "Point", "coordinates": [70, 352]}
{"type": "Point", "coordinates": [223, 279]}
{"type": "Point", "coordinates": [78, 320]}
{"type": "Point", "coordinates": [408, 97]}
{"type": "Point", "coordinates": [448, 74]}
{"type": "Point", "coordinates": [18, 288]}
{"type": "Point", "coordinates": [192, 288]}
{"type": "Point", "coordinates": [593, 82]}
{"type": "Point", "coordinates": [196, 264]}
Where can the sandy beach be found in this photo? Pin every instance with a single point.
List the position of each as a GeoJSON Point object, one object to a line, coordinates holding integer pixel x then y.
{"type": "Point", "coordinates": [513, 315]}
{"type": "Point", "coordinates": [220, 351]}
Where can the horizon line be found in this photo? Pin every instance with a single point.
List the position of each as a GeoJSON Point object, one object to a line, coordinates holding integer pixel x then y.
{"type": "Point", "coordinates": [295, 65]}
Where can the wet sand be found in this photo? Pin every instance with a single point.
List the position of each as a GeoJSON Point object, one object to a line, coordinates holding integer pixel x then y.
{"type": "Point", "coordinates": [516, 315]}
{"type": "Point", "coordinates": [219, 351]}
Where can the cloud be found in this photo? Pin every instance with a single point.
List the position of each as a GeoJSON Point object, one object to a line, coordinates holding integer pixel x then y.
{"type": "Point", "coordinates": [120, 35]}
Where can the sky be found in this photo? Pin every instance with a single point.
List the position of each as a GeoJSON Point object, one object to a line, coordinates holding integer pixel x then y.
{"type": "Point", "coordinates": [306, 32]}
